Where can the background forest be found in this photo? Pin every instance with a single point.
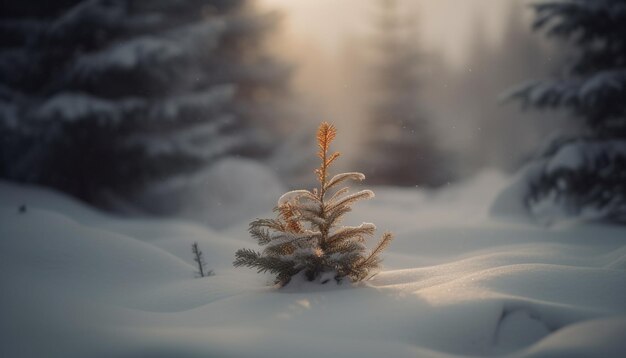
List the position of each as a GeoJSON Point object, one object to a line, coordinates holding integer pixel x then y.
{"type": "Point", "coordinates": [152, 107]}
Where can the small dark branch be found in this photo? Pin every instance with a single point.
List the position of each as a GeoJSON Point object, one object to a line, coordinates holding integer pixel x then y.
{"type": "Point", "coordinates": [199, 259]}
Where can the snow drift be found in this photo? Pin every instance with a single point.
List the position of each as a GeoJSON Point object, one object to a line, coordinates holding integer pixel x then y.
{"type": "Point", "coordinates": [78, 283]}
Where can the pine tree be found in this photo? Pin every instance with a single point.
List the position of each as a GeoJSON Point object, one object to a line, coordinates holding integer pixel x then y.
{"type": "Point", "coordinates": [397, 126]}
{"type": "Point", "coordinates": [306, 238]}
{"type": "Point", "coordinates": [585, 174]}
{"type": "Point", "coordinates": [112, 95]}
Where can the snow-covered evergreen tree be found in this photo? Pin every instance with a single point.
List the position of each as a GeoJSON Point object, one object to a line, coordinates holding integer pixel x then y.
{"type": "Point", "coordinates": [584, 175]}
{"type": "Point", "coordinates": [396, 124]}
{"type": "Point", "coordinates": [306, 238]}
{"type": "Point", "coordinates": [110, 95]}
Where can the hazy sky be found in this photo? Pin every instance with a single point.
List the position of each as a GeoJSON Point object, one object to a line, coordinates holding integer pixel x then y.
{"type": "Point", "coordinates": [445, 25]}
{"type": "Point", "coordinates": [320, 37]}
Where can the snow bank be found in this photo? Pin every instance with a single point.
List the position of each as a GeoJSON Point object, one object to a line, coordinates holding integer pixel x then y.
{"type": "Point", "coordinates": [78, 283]}
{"type": "Point", "coordinates": [230, 191]}
{"type": "Point", "coordinates": [510, 203]}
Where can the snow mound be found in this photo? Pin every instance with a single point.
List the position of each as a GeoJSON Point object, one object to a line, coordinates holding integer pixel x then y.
{"type": "Point", "coordinates": [78, 283]}
{"type": "Point", "coordinates": [510, 204]}
{"type": "Point", "coordinates": [16, 195]}
{"type": "Point", "coordinates": [518, 329]}
{"type": "Point", "coordinates": [60, 250]}
{"type": "Point", "coordinates": [596, 338]}
{"type": "Point", "coordinates": [230, 191]}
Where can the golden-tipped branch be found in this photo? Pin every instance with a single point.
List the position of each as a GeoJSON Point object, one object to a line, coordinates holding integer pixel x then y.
{"type": "Point", "coordinates": [373, 259]}
{"type": "Point", "coordinates": [340, 178]}
{"type": "Point", "coordinates": [350, 232]}
{"type": "Point", "coordinates": [291, 218]}
{"type": "Point", "coordinates": [326, 133]}
{"type": "Point", "coordinates": [349, 199]}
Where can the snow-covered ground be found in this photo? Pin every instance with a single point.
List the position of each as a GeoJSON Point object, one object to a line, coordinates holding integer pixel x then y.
{"type": "Point", "coordinates": [78, 283]}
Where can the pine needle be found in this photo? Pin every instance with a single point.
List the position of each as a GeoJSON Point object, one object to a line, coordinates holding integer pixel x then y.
{"type": "Point", "coordinates": [326, 133]}
{"type": "Point", "coordinates": [290, 216]}
{"type": "Point", "coordinates": [380, 247]}
{"type": "Point", "coordinates": [338, 194]}
{"type": "Point", "coordinates": [348, 200]}
{"type": "Point", "coordinates": [339, 178]}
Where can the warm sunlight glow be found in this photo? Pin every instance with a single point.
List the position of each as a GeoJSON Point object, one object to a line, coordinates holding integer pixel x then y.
{"type": "Point", "coordinates": [445, 24]}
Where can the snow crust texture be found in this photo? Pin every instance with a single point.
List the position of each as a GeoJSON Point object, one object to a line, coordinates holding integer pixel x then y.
{"type": "Point", "coordinates": [78, 283]}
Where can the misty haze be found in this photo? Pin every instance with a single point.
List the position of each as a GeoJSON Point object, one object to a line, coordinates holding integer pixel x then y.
{"type": "Point", "coordinates": [297, 178]}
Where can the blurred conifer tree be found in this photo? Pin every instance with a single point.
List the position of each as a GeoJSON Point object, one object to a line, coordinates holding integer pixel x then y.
{"type": "Point", "coordinates": [111, 95]}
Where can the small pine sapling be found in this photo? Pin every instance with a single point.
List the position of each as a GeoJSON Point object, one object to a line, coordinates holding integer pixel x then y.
{"type": "Point", "coordinates": [199, 260]}
{"type": "Point", "coordinates": [306, 238]}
